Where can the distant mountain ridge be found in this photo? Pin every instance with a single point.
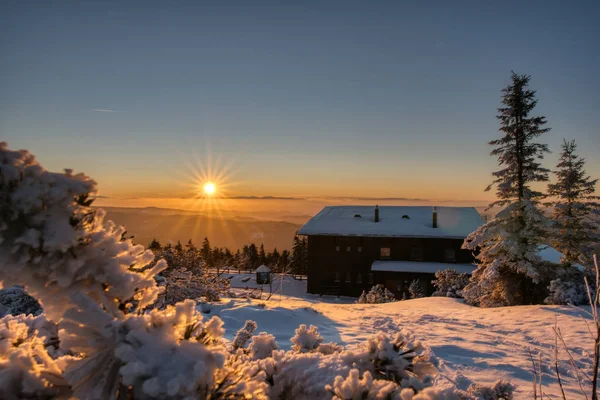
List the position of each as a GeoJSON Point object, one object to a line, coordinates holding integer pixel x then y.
{"type": "Point", "coordinates": [222, 228]}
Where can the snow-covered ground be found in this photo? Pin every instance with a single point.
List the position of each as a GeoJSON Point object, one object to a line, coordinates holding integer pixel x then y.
{"type": "Point", "coordinates": [471, 343]}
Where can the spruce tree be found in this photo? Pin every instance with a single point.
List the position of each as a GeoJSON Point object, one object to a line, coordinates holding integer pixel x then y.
{"type": "Point", "coordinates": [284, 261]}
{"type": "Point", "coordinates": [262, 256]}
{"type": "Point", "coordinates": [155, 245]}
{"type": "Point", "coordinates": [238, 260]}
{"type": "Point", "coordinates": [178, 246]}
{"type": "Point", "coordinates": [274, 259]}
{"type": "Point", "coordinates": [509, 267]}
{"type": "Point", "coordinates": [190, 246]}
{"type": "Point", "coordinates": [253, 258]}
{"type": "Point", "coordinates": [573, 232]}
{"type": "Point", "coordinates": [205, 252]}
{"type": "Point", "coordinates": [299, 257]}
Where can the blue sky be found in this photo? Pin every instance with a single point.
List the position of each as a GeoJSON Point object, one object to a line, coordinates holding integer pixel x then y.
{"type": "Point", "coordinates": [307, 98]}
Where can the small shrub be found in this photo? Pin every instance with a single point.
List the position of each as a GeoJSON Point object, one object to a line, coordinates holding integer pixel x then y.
{"type": "Point", "coordinates": [377, 295]}
{"type": "Point", "coordinates": [449, 283]}
{"type": "Point", "coordinates": [416, 290]}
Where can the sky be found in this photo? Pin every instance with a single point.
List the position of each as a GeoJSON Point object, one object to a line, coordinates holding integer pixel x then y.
{"type": "Point", "coordinates": [324, 99]}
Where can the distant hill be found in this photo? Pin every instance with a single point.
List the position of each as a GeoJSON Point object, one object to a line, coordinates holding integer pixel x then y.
{"type": "Point", "coordinates": [228, 230]}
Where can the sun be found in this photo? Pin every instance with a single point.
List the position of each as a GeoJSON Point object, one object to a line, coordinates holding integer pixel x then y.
{"type": "Point", "coordinates": [209, 188]}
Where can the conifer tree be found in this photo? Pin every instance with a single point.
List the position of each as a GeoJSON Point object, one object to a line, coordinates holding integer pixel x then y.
{"type": "Point", "coordinates": [205, 252]}
{"type": "Point", "coordinates": [238, 260]}
{"type": "Point", "coordinates": [154, 245]}
{"type": "Point", "coordinates": [274, 259]}
{"type": "Point", "coordinates": [178, 246]}
{"type": "Point", "coordinates": [299, 257]}
{"type": "Point", "coordinates": [190, 246]}
{"type": "Point", "coordinates": [573, 232]}
{"type": "Point", "coordinates": [228, 258]}
{"type": "Point", "coordinates": [284, 260]}
{"type": "Point", "coordinates": [262, 256]}
{"type": "Point", "coordinates": [509, 267]}
{"type": "Point", "coordinates": [253, 260]}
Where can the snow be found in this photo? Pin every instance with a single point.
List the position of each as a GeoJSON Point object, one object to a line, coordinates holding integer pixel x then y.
{"type": "Point", "coordinates": [453, 222]}
{"type": "Point", "coordinates": [470, 343]}
{"type": "Point", "coordinates": [421, 266]}
{"type": "Point", "coordinates": [263, 268]}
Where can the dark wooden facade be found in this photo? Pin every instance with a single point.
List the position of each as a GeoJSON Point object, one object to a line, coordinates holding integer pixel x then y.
{"type": "Point", "coordinates": [341, 265]}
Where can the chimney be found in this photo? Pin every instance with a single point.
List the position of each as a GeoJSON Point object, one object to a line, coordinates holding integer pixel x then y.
{"type": "Point", "coordinates": [376, 213]}
{"type": "Point", "coordinates": [434, 217]}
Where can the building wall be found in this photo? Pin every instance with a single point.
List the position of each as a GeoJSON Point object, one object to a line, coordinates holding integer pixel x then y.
{"type": "Point", "coordinates": [328, 255]}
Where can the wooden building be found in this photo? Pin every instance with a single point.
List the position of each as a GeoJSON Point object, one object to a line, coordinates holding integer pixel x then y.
{"type": "Point", "coordinates": [352, 248]}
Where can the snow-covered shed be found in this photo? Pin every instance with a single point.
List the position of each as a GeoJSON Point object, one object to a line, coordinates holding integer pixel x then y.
{"type": "Point", "coordinates": [263, 275]}
{"type": "Point", "coordinates": [351, 248]}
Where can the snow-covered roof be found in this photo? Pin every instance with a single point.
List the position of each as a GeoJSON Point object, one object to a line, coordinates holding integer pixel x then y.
{"type": "Point", "coordinates": [453, 222]}
{"type": "Point", "coordinates": [421, 266]}
{"type": "Point", "coordinates": [263, 268]}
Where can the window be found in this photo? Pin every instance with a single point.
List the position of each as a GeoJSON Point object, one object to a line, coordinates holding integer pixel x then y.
{"type": "Point", "coordinates": [370, 278]}
{"type": "Point", "coordinates": [449, 255]}
{"type": "Point", "coordinates": [337, 277]}
{"type": "Point", "coordinates": [348, 277]}
{"type": "Point", "coordinates": [416, 253]}
{"type": "Point", "coordinates": [385, 252]}
{"type": "Point", "coordinates": [359, 249]}
{"type": "Point", "coordinates": [337, 248]}
{"type": "Point", "coordinates": [358, 278]}
{"type": "Point", "coordinates": [349, 248]}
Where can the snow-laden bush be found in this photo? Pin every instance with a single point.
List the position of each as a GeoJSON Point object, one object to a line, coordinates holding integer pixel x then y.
{"type": "Point", "coordinates": [449, 283]}
{"type": "Point", "coordinates": [101, 338]}
{"type": "Point", "coordinates": [306, 339]}
{"type": "Point", "coordinates": [502, 390]}
{"type": "Point", "coordinates": [244, 335]}
{"type": "Point", "coordinates": [27, 370]}
{"type": "Point", "coordinates": [416, 289]}
{"type": "Point", "coordinates": [262, 346]}
{"type": "Point", "coordinates": [14, 300]}
{"type": "Point", "coordinates": [378, 294]}
{"type": "Point", "coordinates": [571, 292]}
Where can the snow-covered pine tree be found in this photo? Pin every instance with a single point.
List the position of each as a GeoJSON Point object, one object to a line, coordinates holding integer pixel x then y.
{"type": "Point", "coordinates": [509, 267]}
{"type": "Point", "coordinates": [573, 232]}
{"type": "Point", "coordinates": [416, 289]}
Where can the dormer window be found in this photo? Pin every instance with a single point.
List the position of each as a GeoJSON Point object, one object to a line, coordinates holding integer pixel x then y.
{"type": "Point", "coordinates": [385, 252]}
{"type": "Point", "coordinates": [405, 216]}
{"type": "Point", "coordinates": [357, 216]}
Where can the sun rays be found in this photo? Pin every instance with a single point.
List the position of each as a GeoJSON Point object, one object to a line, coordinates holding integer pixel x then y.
{"type": "Point", "coordinates": [208, 183]}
